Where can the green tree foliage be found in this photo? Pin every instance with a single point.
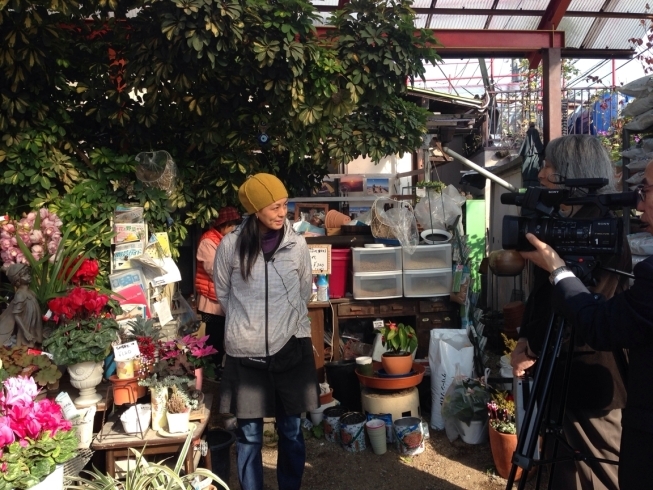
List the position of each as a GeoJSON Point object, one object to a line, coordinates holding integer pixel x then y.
{"type": "Point", "coordinates": [87, 86]}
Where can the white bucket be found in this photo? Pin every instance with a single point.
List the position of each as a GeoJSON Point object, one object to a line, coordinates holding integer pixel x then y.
{"type": "Point", "coordinates": [84, 426]}
{"type": "Point", "coordinates": [317, 416]}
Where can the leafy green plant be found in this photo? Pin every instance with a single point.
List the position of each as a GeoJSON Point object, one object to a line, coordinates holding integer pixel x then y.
{"type": "Point", "coordinates": [141, 475]}
{"type": "Point", "coordinates": [501, 410]}
{"type": "Point", "coordinates": [466, 400]}
{"type": "Point", "coordinates": [82, 340]}
{"type": "Point", "coordinates": [435, 185]}
{"type": "Point", "coordinates": [17, 361]}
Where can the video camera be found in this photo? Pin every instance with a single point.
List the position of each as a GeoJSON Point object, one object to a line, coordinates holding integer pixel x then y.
{"type": "Point", "coordinates": [568, 236]}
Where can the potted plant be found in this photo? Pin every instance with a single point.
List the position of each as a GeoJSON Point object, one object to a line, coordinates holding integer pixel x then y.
{"type": "Point", "coordinates": [503, 432]}
{"type": "Point", "coordinates": [400, 342]}
{"type": "Point", "coordinates": [158, 382]}
{"type": "Point", "coordinates": [189, 356]}
{"type": "Point", "coordinates": [21, 361]}
{"type": "Point", "coordinates": [464, 409]}
{"type": "Point", "coordinates": [146, 334]}
{"type": "Point", "coordinates": [141, 474]}
{"type": "Point", "coordinates": [35, 439]}
{"type": "Point", "coordinates": [178, 411]}
{"type": "Point", "coordinates": [82, 340]}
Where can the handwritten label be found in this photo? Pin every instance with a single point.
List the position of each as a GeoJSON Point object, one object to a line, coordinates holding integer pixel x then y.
{"type": "Point", "coordinates": [320, 258]}
{"type": "Point", "coordinates": [377, 324]}
{"type": "Point", "coordinates": [124, 352]}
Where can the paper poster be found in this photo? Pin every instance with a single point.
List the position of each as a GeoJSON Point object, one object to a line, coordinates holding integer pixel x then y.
{"type": "Point", "coordinates": [162, 310]}
{"type": "Point", "coordinates": [124, 252]}
{"type": "Point", "coordinates": [133, 294]}
{"type": "Point", "coordinates": [128, 232]}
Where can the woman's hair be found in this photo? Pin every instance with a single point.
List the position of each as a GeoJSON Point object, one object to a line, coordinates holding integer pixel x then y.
{"type": "Point", "coordinates": [581, 156]}
{"type": "Point", "coordinates": [249, 246]}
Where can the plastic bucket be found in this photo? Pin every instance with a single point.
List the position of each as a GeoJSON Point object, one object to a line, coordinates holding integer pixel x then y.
{"type": "Point", "coordinates": [331, 417]}
{"type": "Point", "coordinates": [219, 442]}
{"type": "Point", "coordinates": [352, 432]}
{"type": "Point", "coordinates": [340, 276]}
{"type": "Point", "coordinates": [409, 435]}
{"type": "Point", "coordinates": [341, 376]}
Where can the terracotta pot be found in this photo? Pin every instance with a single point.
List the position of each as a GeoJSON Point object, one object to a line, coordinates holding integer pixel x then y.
{"type": "Point", "coordinates": [503, 446]}
{"type": "Point", "coordinates": [199, 378]}
{"type": "Point", "coordinates": [125, 391]}
{"type": "Point", "coordinates": [397, 364]}
{"type": "Point", "coordinates": [506, 262]}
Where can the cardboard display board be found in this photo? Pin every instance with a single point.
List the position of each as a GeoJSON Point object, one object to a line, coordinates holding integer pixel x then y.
{"type": "Point", "coordinates": [320, 258]}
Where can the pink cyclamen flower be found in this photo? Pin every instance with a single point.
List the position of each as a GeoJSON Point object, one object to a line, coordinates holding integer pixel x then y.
{"type": "Point", "coordinates": [6, 433]}
{"type": "Point", "coordinates": [20, 390]}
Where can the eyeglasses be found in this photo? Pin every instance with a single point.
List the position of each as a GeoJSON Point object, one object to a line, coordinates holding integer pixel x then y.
{"type": "Point", "coordinates": [642, 189]}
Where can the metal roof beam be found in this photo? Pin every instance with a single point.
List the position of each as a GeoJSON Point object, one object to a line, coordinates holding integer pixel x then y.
{"type": "Point", "coordinates": [553, 14]}
{"type": "Point", "coordinates": [516, 13]}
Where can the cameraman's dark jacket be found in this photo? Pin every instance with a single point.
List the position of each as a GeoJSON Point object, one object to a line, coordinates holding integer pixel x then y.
{"type": "Point", "coordinates": [596, 378]}
{"type": "Point", "coordinates": [625, 321]}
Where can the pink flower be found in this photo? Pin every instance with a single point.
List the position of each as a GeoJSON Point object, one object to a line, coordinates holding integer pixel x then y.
{"type": "Point", "coordinates": [20, 390]}
{"type": "Point", "coordinates": [48, 415]}
{"type": "Point", "coordinates": [6, 433]}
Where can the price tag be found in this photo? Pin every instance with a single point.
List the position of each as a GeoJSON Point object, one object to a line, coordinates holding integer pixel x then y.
{"type": "Point", "coordinates": [125, 352]}
{"type": "Point", "coordinates": [320, 258]}
{"type": "Point", "coordinates": [377, 324]}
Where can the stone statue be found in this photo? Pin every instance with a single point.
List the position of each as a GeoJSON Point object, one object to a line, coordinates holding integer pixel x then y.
{"type": "Point", "coordinates": [23, 314]}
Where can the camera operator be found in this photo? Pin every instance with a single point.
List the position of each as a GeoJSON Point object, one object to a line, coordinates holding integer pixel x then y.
{"type": "Point", "coordinates": [625, 321]}
{"type": "Point", "coordinates": [596, 395]}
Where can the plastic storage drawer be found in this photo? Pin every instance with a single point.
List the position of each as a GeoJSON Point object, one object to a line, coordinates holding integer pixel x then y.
{"type": "Point", "coordinates": [428, 257]}
{"type": "Point", "coordinates": [427, 283]}
{"type": "Point", "coordinates": [376, 259]}
{"type": "Point", "coordinates": [377, 285]}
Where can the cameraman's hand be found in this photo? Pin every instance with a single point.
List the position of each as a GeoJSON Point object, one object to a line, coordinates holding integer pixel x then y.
{"type": "Point", "coordinates": [543, 256]}
{"type": "Point", "coordinates": [520, 359]}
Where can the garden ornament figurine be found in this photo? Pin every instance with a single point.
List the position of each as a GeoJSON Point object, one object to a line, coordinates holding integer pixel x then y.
{"type": "Point", "coordinates": [23, 314]}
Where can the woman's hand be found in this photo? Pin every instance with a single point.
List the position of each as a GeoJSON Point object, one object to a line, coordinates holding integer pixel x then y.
{"type": "Point", "coordinates": [543, 256]}
{"type": "Point", "coordinates": [519, 358]}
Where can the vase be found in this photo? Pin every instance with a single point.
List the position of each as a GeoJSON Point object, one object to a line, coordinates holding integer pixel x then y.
{"type": "Point", "coordinates": [503, 446]}
{"type": "Point", "coordinates": [178, 422]}
{"type": "Point", "coordinates": [54, 481]}
{"type": "Point", "coordinates": [85, 376]}
{"type": "Point", "coordinates": [159, 399]}
{"type": "Point", "coordinates": [397, 363]}
{"type": "Point", "coordinates": [199, 377]}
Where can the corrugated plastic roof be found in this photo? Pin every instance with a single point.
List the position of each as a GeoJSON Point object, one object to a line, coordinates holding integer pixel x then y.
{"type": "Point", "coordinates": [582, 32]}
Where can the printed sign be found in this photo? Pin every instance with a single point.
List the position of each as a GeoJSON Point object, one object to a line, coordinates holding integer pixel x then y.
{"type": "Point", "coordinates": [125, 352]}
{"type": "Point", "coordinates": [377, 324]}
{"type": "Point", "coordinates": [320, 258]}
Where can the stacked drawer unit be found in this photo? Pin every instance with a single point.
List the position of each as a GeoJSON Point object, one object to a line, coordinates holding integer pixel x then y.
{"type": "Point", "coordinates": [377, 273]}
{"type": "Point", "coordinates": [427, 272]}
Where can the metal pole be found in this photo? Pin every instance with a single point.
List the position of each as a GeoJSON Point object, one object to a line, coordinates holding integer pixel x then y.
{"type": "Point", "coordinates": [480, 170]}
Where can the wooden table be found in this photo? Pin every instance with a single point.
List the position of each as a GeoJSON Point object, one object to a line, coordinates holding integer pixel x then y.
{"type": "Point", "coordinates": [115, 443]}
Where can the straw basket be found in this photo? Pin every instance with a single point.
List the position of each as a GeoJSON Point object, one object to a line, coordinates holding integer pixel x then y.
{"type": "Point", "coordinates": [380, 229]}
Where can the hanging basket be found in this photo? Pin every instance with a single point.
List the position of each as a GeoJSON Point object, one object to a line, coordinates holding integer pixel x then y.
{"type": "Point", "coordinates": [380, 229]}
{"type": "Point", "coordinates": [157, 169]}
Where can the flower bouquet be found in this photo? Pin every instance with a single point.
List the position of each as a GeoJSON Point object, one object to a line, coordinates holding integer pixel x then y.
{"type": "Point", "coordinates": [34, 436]}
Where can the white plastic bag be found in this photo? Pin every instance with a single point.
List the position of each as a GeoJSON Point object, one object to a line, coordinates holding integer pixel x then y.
{"type": "Point", "coordinates": [439, 210]}
{"type": "Point", "coordinates": [447, 347]}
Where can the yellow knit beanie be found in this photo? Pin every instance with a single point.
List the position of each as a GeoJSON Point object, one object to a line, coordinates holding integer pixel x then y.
{"type": "Point", "coordinates": [259, 191]}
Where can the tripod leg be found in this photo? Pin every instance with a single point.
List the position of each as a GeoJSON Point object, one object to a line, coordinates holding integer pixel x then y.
{"type": "Point", "coordinates": [527, 441]}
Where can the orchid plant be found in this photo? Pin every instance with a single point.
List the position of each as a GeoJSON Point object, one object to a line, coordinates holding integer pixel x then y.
{"type": "Point", "coordinates": [34, 436]}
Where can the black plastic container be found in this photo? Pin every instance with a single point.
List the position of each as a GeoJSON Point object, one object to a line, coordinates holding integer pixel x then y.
{"type": "Point", "coordinates": [219, 442]}
{"type": "Point", "coordinates": [341, 376]}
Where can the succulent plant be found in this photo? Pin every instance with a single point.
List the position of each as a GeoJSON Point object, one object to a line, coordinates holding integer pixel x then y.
{"type": "Point", "coordinates": [142, 327]}
{"type": "Point", "coordinates": [178, 401]}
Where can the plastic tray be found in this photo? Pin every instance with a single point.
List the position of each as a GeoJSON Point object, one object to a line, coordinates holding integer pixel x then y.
{"type": "Point", "coordinates": [392, 383]}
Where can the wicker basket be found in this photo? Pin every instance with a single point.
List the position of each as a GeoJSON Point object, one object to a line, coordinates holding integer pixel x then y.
{"type": "Point", "coordinates": [73, 466]}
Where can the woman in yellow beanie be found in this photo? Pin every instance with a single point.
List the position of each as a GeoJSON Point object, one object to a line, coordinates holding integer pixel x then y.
{"type": "Point", "coordinates": [263, 283]}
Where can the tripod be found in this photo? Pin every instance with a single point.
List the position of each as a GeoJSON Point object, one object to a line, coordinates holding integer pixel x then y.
{"type": "Point", "coordinates": [537, 402]}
